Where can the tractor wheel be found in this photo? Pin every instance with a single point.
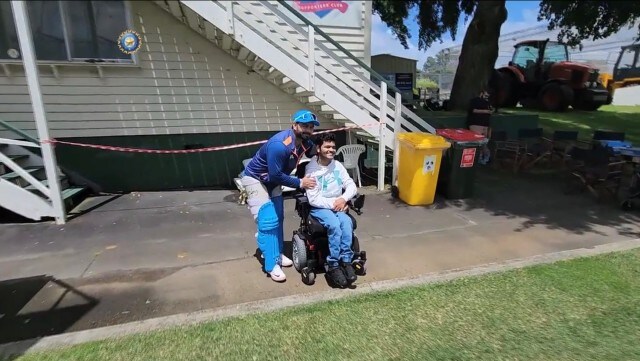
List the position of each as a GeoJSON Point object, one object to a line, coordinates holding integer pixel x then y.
{"type": "Point", "coordinates": [555, 97]}
{"type": "Point", "coordinates": [506, 94]}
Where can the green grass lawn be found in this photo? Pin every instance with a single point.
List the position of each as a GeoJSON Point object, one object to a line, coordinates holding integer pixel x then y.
{"type": "Point", "coordinates": [609, 117]}
{"type": "Point", "coordinates": [584, 309]}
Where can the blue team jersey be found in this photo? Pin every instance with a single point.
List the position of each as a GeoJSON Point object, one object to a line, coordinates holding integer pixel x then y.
{"type": "Point", "coordinates": [276, 159]}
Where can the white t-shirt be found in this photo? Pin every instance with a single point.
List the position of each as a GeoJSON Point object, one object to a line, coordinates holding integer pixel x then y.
{"type": "Point", "coordinates": [330, 182]}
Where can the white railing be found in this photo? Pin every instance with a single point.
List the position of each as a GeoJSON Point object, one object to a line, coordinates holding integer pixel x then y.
{"type": "Point", "coordinates": [18, 199]}
{"type": "Point", "coordinates": [302, 55]}
{"type": "Point", "coordinates": [19, 170]}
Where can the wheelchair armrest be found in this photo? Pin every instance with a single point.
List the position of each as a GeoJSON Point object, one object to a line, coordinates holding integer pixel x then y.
{"type": "Point", "coordinates": [357, 203]}
{"type": "Point", "coordinates": [302, 205]}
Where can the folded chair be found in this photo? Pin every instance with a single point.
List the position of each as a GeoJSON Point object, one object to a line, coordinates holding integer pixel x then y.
{"type": "Point", "coordinates": [560, 143]}
{"type": "Point", "coordinates": [505, 150]}
{"type": "Point", "coordinates": [593, 170]}
{"type": "Point", "coordinates": [535, 147]}
{"type": "Point", "coordinates": [599, 135]}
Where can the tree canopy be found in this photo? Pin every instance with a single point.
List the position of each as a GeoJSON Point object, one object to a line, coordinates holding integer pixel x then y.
{"type": "Point", "coordinates": [577, 20]}
{"type": "Point", "coordinates": [435, 18]}
{"type": "Point", "coordinates": [437, 64]}
{"type": "Point", "coordinates": [439, 17]}
{"type": "Point", "coordinates": [588, 20]}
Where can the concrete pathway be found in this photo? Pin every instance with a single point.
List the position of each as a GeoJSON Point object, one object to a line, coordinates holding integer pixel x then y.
{"type": "Point", "coordinates": [273, 304]}
{"type": "Point", "coordinates": [143, 256]}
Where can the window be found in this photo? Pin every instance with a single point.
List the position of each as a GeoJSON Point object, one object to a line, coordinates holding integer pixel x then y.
{"type": "Point", "coordinates": [525, 56]}
{"type": "Point", "coordinates": [627, 59]}
{"type": "Point", "coordinates": [555, 52]}
{"type": "Point", "coordinates": [69, 30]}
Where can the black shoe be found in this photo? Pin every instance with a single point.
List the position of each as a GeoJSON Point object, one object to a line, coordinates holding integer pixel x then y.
{"type": "Point", "coordinates": [337, 276]}
{"type": "Point", "coordinates": [349, 272]}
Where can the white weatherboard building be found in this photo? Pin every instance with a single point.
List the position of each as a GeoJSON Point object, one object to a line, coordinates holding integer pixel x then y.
{"type": "Point", "coordinates": [205, 73]}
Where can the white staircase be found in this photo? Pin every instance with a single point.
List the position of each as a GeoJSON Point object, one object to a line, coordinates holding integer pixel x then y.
{"type": "Point", "coordinates": [24, 188]}
{"type": "Point", "coordinates": [264, 36]}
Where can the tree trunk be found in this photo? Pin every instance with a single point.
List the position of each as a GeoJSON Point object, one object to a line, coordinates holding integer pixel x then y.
{"type": "Point", "coordinates": [479, 53]}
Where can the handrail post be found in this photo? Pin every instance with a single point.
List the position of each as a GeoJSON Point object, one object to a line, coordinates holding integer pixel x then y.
{"type": "Point", "coordinates": [312, 58]}
{"type": "Point", "coordinates": [397, 127]}
{"type": "Point", "coordinates": [229, 6]}
{"type": "Point", "coordinates": [381, 145]}
{"type": "Point", "coordinates": [23, 28]}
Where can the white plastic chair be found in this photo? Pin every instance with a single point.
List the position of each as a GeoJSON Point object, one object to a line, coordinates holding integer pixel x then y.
{"type": "Point", "coordinates": [350, 155]}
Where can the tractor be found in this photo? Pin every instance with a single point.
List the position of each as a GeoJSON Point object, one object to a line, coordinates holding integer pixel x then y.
{"type": "Point", "coordinates": [541, 76]}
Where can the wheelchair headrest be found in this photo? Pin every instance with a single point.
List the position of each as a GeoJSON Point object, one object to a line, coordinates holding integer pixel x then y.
{"type": "Point", "coordinates": [300, 169]}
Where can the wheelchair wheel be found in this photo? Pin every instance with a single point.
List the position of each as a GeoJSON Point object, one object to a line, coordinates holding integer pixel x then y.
{"type": "Point", "coordinates": [360, 268]}
{"type": "Point", "coordinates": [308, 277]}
{"type": "Point", "coordinates": [299, 253]}
{"type": "Point", "coordinates": [355, 245]}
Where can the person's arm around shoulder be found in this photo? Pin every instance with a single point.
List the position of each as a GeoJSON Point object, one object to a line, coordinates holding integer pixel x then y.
{"type": "Point", "coordinates": [350, 187]}
{"type": "Point", "coordinates": [277, 156]}
{"type": "Point", "coordinates": [314, 195]}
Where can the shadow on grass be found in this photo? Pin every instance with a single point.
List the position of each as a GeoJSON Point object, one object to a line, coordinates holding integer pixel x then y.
{"type": "Point", "coordinates": [620, 119]}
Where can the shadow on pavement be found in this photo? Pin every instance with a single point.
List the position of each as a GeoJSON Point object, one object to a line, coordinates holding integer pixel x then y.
{"type": "Point", "coordinates": [537, 199]}
{"type": "Point", "coordinates": [28, 311]}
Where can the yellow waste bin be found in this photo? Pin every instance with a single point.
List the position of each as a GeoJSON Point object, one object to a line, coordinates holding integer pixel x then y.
{"type": "Point", "coordinates": [419, 159]}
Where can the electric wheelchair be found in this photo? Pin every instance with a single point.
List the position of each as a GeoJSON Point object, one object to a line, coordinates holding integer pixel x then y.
{"type": "Point", "coordinates": [311, 243]}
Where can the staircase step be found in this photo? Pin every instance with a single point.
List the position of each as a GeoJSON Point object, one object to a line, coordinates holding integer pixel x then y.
{"type": "Point", "coordinates": [313, 101]}
{"type": "Point", "coordinates": [72, 191]}
{"type": "Point", "coordinates": [288, 84]}
{"type": "Point", "coordinates": [15, 158]}
{"type": "Point", "coordinates": [302, 92]}
{"type": "Point", "coordinates": [275, 74]}
{"type": "Point", "coordinates": [64, 183]}
{"type": "Point", "coordinates": [74, 196]}
{"type": "Point", "coordinates": [18, 156]}
{"type": "Point", "coordinates": [13, 175]}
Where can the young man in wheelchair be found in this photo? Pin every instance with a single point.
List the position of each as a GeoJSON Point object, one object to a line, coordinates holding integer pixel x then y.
{"type": "Point", "coordinates": [329, 206]}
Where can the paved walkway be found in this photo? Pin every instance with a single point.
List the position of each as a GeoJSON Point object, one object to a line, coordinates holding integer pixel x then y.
{"type": "Point", "coordinates": [148, 255]}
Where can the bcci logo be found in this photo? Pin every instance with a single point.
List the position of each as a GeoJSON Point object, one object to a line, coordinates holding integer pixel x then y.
{"type": "Point", "coordinates": [129, 42]}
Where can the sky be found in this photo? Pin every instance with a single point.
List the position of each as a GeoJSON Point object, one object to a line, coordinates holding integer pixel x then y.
{"type": "Point", "coordinates": [522, 15]}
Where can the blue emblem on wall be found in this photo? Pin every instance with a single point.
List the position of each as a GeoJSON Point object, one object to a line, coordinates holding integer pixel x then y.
{"type": "Point", "coordinates": [129, 42]}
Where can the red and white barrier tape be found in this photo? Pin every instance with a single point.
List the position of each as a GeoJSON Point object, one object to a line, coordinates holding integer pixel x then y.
{"type": "Point", "coordinates": [183, 151]}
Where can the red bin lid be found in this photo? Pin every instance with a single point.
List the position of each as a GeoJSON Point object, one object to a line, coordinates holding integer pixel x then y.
{"type": "Point", "coordinates": [460, 135]}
